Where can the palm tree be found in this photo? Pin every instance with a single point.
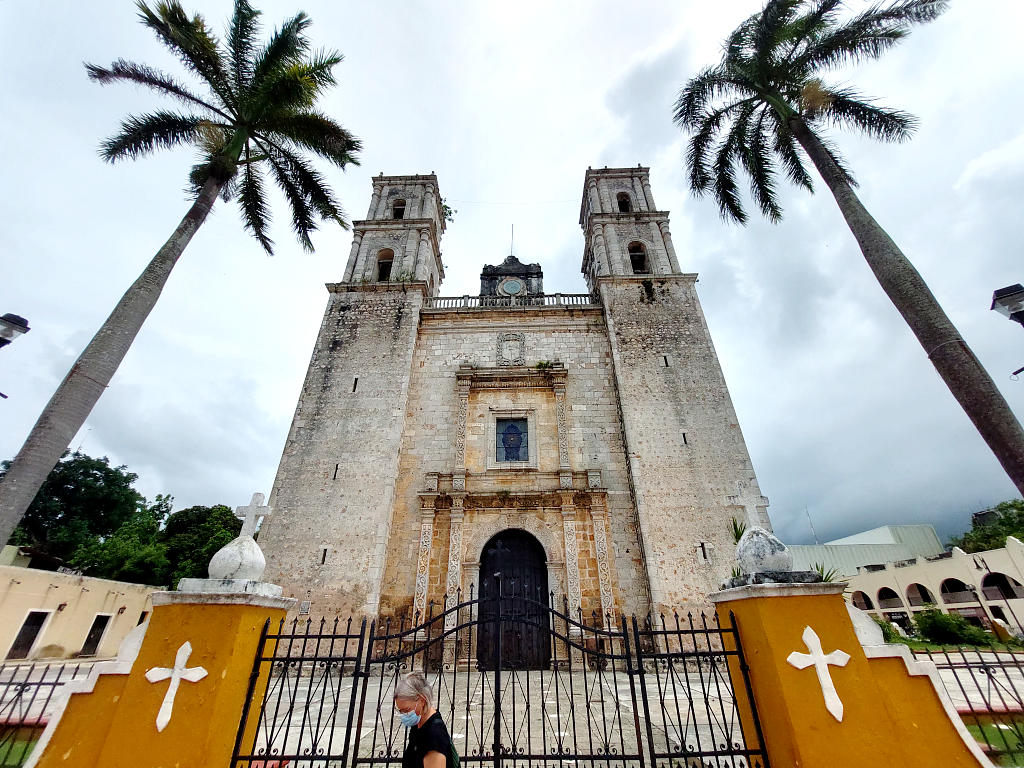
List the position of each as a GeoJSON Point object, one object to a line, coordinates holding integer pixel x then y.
{"type": "Point", "coordinates": [255, 115]}
{"type": "Point", "coordinates": [765, 101]}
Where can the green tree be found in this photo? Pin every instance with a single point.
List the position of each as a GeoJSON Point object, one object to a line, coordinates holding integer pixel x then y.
{"type": "Point", "coordinates": [81, 500]}
{"type": "Point", "coordinates": [949, 628]}
{"type": "Point", "coordinates": [766, 101]}
{"type": "Point", "coordinates": [191, 537]}
{"type": "Point", "coordinates": [992, 534]}
{"type": "Point", "coordinates": [132, 553]}
{"type": "Point", "coordinates": [254, 116]}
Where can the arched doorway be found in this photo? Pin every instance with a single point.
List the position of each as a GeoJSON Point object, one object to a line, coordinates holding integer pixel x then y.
{"type": "Point", "coordinates": [514, 562]}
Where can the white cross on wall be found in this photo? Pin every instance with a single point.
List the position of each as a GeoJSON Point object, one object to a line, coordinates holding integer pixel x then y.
{"type": "Point", "coordinates": [249, 514]}
{"type": "Point", "coordinates": [821, 661]}
{"type": "Point", "coordinates": [176, 675]}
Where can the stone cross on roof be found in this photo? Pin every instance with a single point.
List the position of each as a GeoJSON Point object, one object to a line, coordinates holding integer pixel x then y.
{"type": "Point", "coordinates": [249, 514]}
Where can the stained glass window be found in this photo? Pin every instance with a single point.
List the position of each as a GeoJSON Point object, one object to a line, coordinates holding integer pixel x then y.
{"type": "Point", "coordinates": [511, 438]}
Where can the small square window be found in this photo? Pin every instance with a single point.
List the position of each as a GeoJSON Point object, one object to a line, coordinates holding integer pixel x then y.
{"type": "Point", "coordinates": [511, 440]}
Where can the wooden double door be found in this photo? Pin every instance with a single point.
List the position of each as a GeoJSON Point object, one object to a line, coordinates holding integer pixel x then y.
{"type": "Point", "coordinates": [514, 594]}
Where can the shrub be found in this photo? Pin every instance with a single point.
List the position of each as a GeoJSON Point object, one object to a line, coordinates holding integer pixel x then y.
{"type": "Point", "coordinates": [889, 633]}
{"type": "Point", "coordinates": [938, 627]}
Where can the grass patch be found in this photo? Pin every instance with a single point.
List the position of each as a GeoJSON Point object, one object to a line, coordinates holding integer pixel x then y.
{"type": "Point", "coordinates": [1000, 736]}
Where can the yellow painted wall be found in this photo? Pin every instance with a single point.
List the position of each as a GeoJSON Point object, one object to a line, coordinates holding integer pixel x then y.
{"type": "Point", "coordinates": [115, 726]}
{"type": "Point", "coordinates": [27, 589]}
{"type": "Point", "coordinates": [890, 717]}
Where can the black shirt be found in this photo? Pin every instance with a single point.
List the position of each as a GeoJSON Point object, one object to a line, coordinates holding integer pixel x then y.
{"type": "Point", "coordinates": [431, 736]}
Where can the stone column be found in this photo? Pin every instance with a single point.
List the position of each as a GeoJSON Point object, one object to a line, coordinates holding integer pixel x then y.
{"type": "Point", "coordinates": [599, 515]}
{"type": "Point", "coordinates": [617, 260]}
{"type": "Point", "coordinates": [666, 237]}
{"type": "Point", "coordinates": [421, 267]}
{"type": "Point", "coordinates": [572, 556]}
{"type": "Point", "coordinates": [595, 197]}
{"type": "Point", "coordinates": [459, 476]}
{"type": "Point", "coordinates": [659, 246]}
{"type": "Point", "coordinates": [353, 257]}
{"type": "Point", "coordinates": [453, 581]}
{"type": "Point", "coordinates": [649, 195]}
{"type": "Point", "coordinates": [431, 207]}
{"type": "Point", "coordinates": [600, 252]}
{"type": "Point", "coordinates": [564, 471]}
{"type": "Point", "coordinates": [419, 604]}
{"type": "Point", "coordinates": [374, 202]}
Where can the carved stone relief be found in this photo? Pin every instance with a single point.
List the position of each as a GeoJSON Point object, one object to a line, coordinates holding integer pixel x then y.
{"type": "Point", "coordinates": [511, 349]}
{"type": "Point", "coordinates": [572, 565]}
{"type": "Point", "coordinates": [423, 563]}
{"type": "Point", "coordinates": [603, 566]}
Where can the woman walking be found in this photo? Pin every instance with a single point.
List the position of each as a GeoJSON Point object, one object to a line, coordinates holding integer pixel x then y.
{"type": "Point", "coordinates": [429, 744]}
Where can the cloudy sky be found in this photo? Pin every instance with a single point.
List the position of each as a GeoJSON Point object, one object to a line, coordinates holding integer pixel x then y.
{"type": "Point", "coordinates": [509, 103]}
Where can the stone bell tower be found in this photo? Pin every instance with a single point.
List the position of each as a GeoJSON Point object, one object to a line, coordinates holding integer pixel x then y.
{"type": "Point", "coordinates": [335, 484]}
{"type": "Point", "coordinates": [687, 459]}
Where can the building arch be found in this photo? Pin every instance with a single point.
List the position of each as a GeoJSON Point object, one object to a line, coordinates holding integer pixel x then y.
{"type": "Point", "coordinates": [638, 259]}
{"type": "Point", "coordinates": [398, 208]}
{"type": "Point", "coordinates": [624, 202]}
{"type": "Point", "coordinates": [954, 591]}
{"type": "Point", "coordinates": [999, 586]}
{"type": "Point", "coordinates": [385, 265]}
{"type": "Point", "coordinates": [487, 526]}
{"type": "Point", "coordinates": [862, 601]}
{"type": "Point", "coordinates": [889, 598]}
{"type": "Point", "coordinates": [919, 594]}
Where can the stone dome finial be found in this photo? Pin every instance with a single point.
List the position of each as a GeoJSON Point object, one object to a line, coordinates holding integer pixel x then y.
{"type": "Point", "coordinates": [759, 551]}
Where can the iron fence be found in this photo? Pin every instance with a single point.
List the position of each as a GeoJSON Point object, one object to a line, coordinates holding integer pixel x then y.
{"type": "Point", "coordinates": [628, 693]}
{"type": "Point", "coordinates": [986, 686]}
{"type": "Point", "coordinates": [28, 693]}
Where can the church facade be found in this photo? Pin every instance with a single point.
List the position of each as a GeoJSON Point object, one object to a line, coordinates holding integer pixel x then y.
{"type": "Point", "coordinates": [581, 445]}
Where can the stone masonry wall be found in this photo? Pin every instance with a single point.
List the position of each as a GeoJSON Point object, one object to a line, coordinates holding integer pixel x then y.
{"type": "Point", "coordinates": [577, 338]}
{"type": "Point", "coordinates": [336, 479]}
{"type": "Point", "coordinates": [690, 466]}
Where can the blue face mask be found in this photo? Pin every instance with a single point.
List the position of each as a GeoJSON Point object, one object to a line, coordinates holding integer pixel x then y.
{"type": "Point", "coordinates": [409, 719]}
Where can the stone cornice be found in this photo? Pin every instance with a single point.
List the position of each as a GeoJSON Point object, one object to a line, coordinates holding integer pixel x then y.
{"type": "Point", "coordinates": [682, 277]}
{"type": "Point", "coordinates": [416, 285]}
{"type": "Point", "coordinates": [512, 377]}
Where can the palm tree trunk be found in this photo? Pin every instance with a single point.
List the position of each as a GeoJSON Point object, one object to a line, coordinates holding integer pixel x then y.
{"type": "Point", "coordinates": [74, 399]}
{"type": "Point", "coordinates": [953, 359]}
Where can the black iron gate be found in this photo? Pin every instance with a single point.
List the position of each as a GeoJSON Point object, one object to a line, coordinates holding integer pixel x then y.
{"type": "Point", "coordinates": [627, 693]}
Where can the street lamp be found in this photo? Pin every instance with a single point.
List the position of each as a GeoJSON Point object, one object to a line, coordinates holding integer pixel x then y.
{"type": "Point", "coordinates": [12, 326]}
{"type": "Point", "coordinates": [1009, 302]}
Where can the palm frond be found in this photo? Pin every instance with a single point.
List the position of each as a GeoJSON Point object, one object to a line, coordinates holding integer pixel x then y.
{"type": "Point", "coordinates": [757, 161]}
{"type": "Point", "coordinates": [142, 74]}
{"type": "Point", "coordinates": [730, 151]}
{"type": "Point", "coordinates": [317, 133]}
{"type": "Point", "coordinates": [285, 46]}
{"type": "Point", "coordinates": [253, 202]}
{"type": "Point", "coordinates": [707, 85]}
{"type": "Point", "coordinates": [311, 184]}
{"type": "Point", "coordinates": [303, 223]}
{"type": "Point", "coordinates": [869, 34]}
{"type": "Point", "coordinates": [191, 41]}
{"type": "Point", "coordinates": [771, 23]}
{"type": "Point", "coordinates": [294, 86]}
{"type": "Point", "coordinates": [697, 149]}
{"type": "Point", "coordinates": [241, 42]}
{"type": "Point", "coordinates": [846, 107]}
{"type": "Point", "coordinates": [785, 146]}
{"type": "Point", "coordinates": [143, 134]}
{"type": "Point", "coordinates": [806, 29]}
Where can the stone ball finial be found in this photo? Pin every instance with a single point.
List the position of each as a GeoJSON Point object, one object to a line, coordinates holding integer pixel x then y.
{"type": "Point", "coordinates": [240, 558]}
{"type": "Point", "coordinates": [759, 551]}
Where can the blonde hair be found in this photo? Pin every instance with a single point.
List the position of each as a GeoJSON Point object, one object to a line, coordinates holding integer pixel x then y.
{"type": "Point", "coordinates": [414, 685]}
